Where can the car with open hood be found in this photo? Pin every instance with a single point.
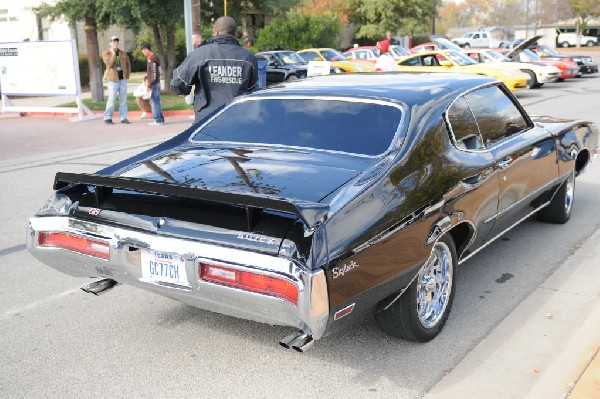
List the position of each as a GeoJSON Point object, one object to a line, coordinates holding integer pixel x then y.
{"type": "Point", "coordinates": [538, 74]}
{"type": "Point", "coordinates": [585, 62]}
{"type": "Point", "coordinates": [317, 203]}
{"type": "Point", "coordinates": [568, 69]}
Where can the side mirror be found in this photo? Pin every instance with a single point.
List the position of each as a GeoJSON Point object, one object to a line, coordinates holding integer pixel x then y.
{"type": "Point", "coordinates": [272, 63]}
{"type": "Point", "coordinates": [445, 63]}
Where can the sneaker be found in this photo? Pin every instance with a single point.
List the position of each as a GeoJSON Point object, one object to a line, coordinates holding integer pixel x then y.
{"type": "Point", "coordinates": [108, 121]}
{"type": "Point", "coordinates": [126, 121]}
{"type": "Point", "coordinates": [155, 123]}
{"type": "Point", "coordinates": [143, 115]}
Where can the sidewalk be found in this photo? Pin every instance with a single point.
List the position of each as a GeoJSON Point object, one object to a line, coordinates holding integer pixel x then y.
{"type": "Point", "coordinates": [547, 348]}
{"type": "Point", "coordinates": [55, 101]}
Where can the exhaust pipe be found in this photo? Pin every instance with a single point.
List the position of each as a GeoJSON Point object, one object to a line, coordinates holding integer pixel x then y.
{"type": "Point", "coordinates": [299, 341]}
{"type": "Point", "coordinates": [99, 287]}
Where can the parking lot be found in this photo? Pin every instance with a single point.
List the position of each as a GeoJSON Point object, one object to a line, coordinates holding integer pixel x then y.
{"type": "Point", "coordinates": [62, 343]}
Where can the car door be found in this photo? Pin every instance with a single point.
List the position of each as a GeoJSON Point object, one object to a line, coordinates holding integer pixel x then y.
{"type": "Point", "coordinates": [480, 200]}
{"type": "Point", "coordinates": [275, 73]}
{"type": "Point", "coordinates": [525, 155]}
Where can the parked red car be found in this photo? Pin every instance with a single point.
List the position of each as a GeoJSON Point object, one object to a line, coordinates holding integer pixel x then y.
{"type": "Point", "coordinates": [363, 53]}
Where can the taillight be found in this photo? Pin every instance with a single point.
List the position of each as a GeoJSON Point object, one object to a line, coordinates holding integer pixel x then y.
{"type": "Point", "coordinates": [249, 281]}
{"type": "Point", "coordinates": [73, 243]}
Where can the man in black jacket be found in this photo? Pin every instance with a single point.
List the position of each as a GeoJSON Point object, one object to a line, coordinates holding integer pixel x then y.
{"type": "Point", "coordinates": [219, 70]}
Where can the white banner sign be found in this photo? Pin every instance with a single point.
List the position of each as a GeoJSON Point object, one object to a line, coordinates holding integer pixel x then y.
{"type": "Point", "coordinates": [39, 68]}
{"type": "Point", "coordinates": [316, 68]}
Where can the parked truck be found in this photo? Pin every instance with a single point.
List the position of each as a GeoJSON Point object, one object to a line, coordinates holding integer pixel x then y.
{"type": "Point", "coordinates": [570, 39]}
{"type": "Point", "coordinates": [477, 39]}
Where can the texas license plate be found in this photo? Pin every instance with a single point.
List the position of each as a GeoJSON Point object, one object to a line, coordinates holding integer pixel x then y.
{"type": "Point", "coordinates": [164, 267]}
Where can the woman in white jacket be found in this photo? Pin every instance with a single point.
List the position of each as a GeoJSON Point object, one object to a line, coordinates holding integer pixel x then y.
{"type": "Point", "coordinates": [386, 61]}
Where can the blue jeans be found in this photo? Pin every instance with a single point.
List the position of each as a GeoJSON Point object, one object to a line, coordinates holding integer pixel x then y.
{"type": "Point", "coordinates": [116, 88]}
{"type": "Point", "coordinates": [155, 103]}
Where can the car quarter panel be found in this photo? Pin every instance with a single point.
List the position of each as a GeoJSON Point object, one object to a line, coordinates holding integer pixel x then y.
{"type": "Point", "coordinates": [430, 186]}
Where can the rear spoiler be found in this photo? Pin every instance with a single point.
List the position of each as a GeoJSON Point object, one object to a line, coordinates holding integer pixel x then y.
{"type": "Point", "coordinates": [309, 212]}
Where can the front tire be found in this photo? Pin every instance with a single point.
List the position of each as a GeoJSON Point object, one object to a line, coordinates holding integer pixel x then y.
{"type": "Point", "coordinates": [532, 82]}
{"type": "Point", "coordinates": [590, 44]}
{"type": "Point", "coordinates": [559, 209]}
{"type": "Point", "coordinates": [421, 312]}
{"type": "Point", "coordinates": [564, 44]}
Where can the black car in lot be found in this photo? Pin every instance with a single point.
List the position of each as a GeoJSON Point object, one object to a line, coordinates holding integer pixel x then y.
{"type": "Point", "coordinates": [283, 66]}
{"type": "Point", "coordinates": [317, 203]}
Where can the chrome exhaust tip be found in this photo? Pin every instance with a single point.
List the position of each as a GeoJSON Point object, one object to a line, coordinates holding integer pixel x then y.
{"type": "Point", "coordinates": [303, 343]}
{"type": "Point", "coordinates": [99, 287]}
{"type": "Point", "coordinates": [287, 341]}
{"type": "Point", "coordinates": [299, 341]}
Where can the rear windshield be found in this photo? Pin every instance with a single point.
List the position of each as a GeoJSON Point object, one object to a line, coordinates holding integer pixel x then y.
{"type": "Point", "coordinates": [366, 128]}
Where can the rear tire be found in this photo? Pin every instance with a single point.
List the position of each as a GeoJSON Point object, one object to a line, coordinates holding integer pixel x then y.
{"type": "Point", "coordinates": [421, 312]}
{"type": "Point", "coordinates": [291, 78]}
{"type": "Point", "coordinates": [559, 209]}
{"type": "Point", "coordinates": [564, 44]}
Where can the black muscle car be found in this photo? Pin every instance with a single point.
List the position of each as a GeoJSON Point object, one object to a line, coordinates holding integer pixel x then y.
{"type": "Point", "coordinates": [316, 203]}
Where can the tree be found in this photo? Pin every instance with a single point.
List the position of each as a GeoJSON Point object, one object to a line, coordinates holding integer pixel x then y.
{"type": "Point", "coordinates": [453, 15]}
{"type": "Point", "coordinates": [583, 11]}
{"type": "Point", "coordinates": [297, 31]}
{"type": "Point", "coordinates": [87, 11]}
{"type": "Point", "coordinates": [374, 18]}
{"type": "Point", "coordinates": [320, 7]}
{"type": "Point", "coordinates": [161, 17]}
{"type": "Point", "coordinates": [505, 13]}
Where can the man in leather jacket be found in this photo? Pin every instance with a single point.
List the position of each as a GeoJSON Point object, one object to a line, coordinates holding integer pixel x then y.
{"type": "Point", "coordinates": [219, 70]}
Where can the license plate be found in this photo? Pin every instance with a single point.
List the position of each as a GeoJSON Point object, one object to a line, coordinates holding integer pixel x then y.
{"type": "Point", "coordinates": [164, 267]}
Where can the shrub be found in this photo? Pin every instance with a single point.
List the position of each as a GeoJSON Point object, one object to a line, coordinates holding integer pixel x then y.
{"type": "Point", "coordinates": [297, 31]}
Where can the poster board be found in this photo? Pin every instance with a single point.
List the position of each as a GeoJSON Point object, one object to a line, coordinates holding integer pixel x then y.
{"type": "Point", "coordinates": [317, 68]}
{"type": "Point", "coordinates": [39, 68]}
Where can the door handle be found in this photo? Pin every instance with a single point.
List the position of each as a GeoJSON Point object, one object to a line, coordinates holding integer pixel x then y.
{"type": "Point", "coordinates": [505, 163]}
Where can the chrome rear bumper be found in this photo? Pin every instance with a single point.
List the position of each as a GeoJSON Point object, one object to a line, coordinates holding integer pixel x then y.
{"type": "Point", "coordinates": [124, 265]}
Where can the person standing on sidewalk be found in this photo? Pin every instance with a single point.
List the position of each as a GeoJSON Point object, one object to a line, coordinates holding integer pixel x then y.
{"type": "Point", "coordinates": [219, 70]}
{"type": "Point", "coordinates": [385, 61]}
{"type": "Point", "coordinates": [153, 83]}
{"type": "Point", "coordinates": [117, 72]}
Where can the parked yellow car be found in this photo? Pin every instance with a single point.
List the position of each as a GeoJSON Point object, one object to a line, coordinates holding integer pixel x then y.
{"type": "Point", "coordinates": [453, 61]}
{"type": "Point", "coordinates": [337, 59]}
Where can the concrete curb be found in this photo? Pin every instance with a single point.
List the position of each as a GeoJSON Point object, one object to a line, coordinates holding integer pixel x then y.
{"type": "Point", "coordinates": [533, 353]}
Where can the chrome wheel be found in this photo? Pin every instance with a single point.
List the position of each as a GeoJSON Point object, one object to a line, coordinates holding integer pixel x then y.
{"type": "Point", "coordinates": [560, 207]}
{"type": "Point", "coordinates": [434, 285]}
{"type": "Point", "coordinates": [569, 195]}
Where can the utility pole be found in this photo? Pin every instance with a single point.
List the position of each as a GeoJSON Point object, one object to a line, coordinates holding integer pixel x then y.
{"type": "Point", "coordinates": [196, 20]}
{"type": "Point", "coordinates": [193, 22]}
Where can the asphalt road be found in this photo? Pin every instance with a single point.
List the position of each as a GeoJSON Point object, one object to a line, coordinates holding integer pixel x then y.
{"type": "Point", "coordinates": [58, 342]}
